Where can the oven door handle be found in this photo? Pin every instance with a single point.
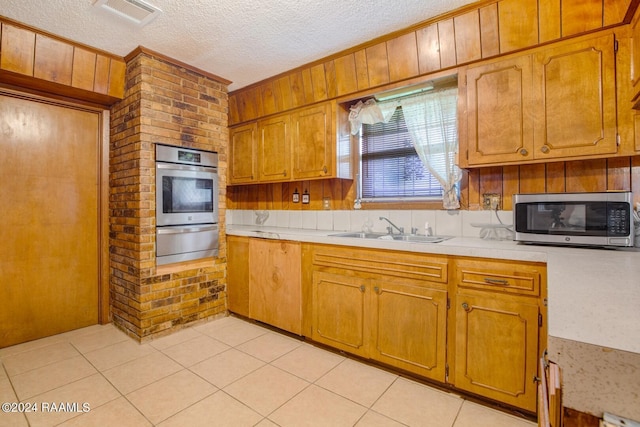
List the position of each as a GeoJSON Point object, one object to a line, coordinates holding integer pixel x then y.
{"type": "Point", "coordinates": [187, 229]}
{"type": "Point", "coordinates": [174, 166]}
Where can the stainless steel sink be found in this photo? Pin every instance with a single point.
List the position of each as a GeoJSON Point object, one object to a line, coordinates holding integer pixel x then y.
{"type": "Point", "coordinates": [410, 238]}
{"type": "Point", "coordinates": [360, 235]}
{"type": "Point", "coordinates": [420, 239]}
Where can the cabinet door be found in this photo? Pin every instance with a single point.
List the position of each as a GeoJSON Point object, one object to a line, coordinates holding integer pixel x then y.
{"type": "Point", "coordinates": [238, 274]}
{"type": "Point", "coordinates": [243, 154]}
{"type": "Point", "coordinates": [497, 348]}
{"type": "Point", "coordinates": [409, 327]}
{"type": "Point", "coordinates": [313, 142]}
{"type": "Point", "coordinates": [275, 284]}
{"type": "Point", "coordinates": [500, 126]}
{"type": "Point", "coordinates": [575, 111]}
{"type": "Point", "coordinates": [274, 149]}
{"type": "Point", "coordinates": [340, 310]}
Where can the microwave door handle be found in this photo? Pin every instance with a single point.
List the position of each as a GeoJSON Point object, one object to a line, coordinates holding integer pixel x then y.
{"type": "Point", "coordinates": [184, 230]}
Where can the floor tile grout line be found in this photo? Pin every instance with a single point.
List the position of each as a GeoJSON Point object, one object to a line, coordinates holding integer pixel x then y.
{"type": "Point", "coordinates": [116, 389]}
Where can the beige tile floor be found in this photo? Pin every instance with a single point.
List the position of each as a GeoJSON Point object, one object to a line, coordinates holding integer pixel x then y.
{"type": "Point", "coordinates": [227, 372]}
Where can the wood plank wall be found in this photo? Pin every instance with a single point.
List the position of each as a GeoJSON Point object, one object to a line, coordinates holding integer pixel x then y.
{"type": "Point", "coordinates": [40, 61]}
{"type": "Point", "coordinates": [472, 33]}
{"type": "Point", "coordinates": [620, 173]}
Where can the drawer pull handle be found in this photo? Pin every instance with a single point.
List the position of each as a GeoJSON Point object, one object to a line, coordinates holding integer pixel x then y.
{"type": "Point", "coordinates": [465, 306]}
{"type": "Point", "coordinates": [500, 282]}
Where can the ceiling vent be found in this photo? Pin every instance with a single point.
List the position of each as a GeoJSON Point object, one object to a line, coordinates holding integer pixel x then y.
{"type": "Point", "coordinates": [137, 11]}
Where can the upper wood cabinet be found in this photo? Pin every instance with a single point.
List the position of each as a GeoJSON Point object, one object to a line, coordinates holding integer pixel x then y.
{"type": "Point", "coordinates": [500, 127]}
{"type": "Point", "coordinates": [299, 145]}
{"type": "Point", "coordinates": [274, 149]}
{"type": "Point", "coordinates": [556, 103]}
{"type": "Point", "coordinates": [243, 148]}
{"type": "Point", "coordinates": [575, 106]}
{"type": "Point", "coordinates": [313, 142]}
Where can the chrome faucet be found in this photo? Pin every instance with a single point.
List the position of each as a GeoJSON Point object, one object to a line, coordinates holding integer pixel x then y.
{"type": "Point", "coordinates": [390, 229]}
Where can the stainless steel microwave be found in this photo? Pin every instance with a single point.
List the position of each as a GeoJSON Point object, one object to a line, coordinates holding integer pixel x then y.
{"type": "Point", "coordinates": [580, 219]}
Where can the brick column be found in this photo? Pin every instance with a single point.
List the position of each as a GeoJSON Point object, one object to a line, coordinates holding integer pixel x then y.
{"type": "Point", "coordinates": [169, 104]}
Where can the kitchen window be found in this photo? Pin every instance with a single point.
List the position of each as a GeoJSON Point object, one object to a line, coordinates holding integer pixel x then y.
{"type": "Point", "coordinates": [408, 147]}
{"type": "Point", "coordinates": [390, 166]}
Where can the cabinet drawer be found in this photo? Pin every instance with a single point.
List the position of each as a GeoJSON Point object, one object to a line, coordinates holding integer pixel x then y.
{"type": "Point", "coordinates": [389, 263]}
{"type": "Point", "coordinates": [504, 276]}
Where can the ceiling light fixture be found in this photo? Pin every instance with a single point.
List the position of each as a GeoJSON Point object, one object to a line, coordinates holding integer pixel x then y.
{"type": "Point", "coordinates": [137, 11]}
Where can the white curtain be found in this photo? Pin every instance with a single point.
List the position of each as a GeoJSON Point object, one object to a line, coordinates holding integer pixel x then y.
{"type": "Point", "coordinates": [431, 120]}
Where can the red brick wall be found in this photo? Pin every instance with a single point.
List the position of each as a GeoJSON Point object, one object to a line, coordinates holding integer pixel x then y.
{"type": "Point", "coordinates": [168, 104]}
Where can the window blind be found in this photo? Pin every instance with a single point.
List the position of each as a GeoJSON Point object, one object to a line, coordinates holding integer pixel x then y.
{"type": "Point", "coordinates": [390, 166]}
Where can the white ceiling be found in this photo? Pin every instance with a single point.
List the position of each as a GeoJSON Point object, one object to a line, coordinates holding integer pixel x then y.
{"type": "Point", "coordinates": [244, 41]}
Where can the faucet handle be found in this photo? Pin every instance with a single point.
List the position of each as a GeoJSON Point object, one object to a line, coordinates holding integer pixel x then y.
{"type": "Point", "coordinates": [414, 230]}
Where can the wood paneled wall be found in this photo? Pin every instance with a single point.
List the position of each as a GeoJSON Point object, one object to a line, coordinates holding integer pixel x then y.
{"type": "Point", "coordinates": [620, 173]}
{"type": "Point", "coordinates": [36, 60]}
{"type": "Point", "coordinates": [479, 31]}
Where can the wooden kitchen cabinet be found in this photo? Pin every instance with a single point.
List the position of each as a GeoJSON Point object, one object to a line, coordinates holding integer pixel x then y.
{"type": "Point", "coordinates": [378, 305]}
{"type": "Point", "coordinates": [313, 142]}
{"type": "Point", "coordinates": [275, 289]}
{"type": "Point", "coordinates": [575, 108]}
{"type": "Point", "coordinates": [500, 129]}
{"type": "Point", "coordinates": [555, 103]}
{"type": "Point", "coordinates": [238, 274]}
{"type": "Point", "coordinates": [340, 311]}
{"type": "Point", "coordinates": [498, 318]}
{"type": "Point", "coordinates": [299, 145]}
{"type": "Point", "coordinates": [409, 318]}
{"type": "Point", "coordinates": [243, 154]}
{"type": "Point", "coordinates": [274, 149]}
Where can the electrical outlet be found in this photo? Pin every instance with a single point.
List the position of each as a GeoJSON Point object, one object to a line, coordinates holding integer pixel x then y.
{"type": "Point", "coordinates": [491, 201]}
{"type": "Point", "coordinates": [326, 203]}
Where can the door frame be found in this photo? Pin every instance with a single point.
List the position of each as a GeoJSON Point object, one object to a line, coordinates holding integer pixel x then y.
{"type": "Point", "coordinates": [104, 315]}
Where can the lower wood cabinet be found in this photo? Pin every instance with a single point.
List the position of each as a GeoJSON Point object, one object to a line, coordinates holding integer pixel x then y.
{"type": "Point", "coordinates": [473, 323]}
{"type": "Point", "coordinates": [264, 281]}
{"type": "Point", "coordinates": [498, 319]}
{"type": "Point", "coordinates": [382, 306]}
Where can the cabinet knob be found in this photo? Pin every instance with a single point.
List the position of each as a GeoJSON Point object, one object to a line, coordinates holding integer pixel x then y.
{"type": "Point", "coordinates": [324, 169]}
{"type": "Point", "coordinates": [376, 289]}
{"type": "Point", "coordinates": [545, 149]}
{"type": "Point", "coordinates": [465, 306]}
{"type": "Point", "coordinates": [524, 152]}
{"type": "Point", "coordinates": [362, 288]}
{"type": "Point", "coordinates": [284, 173]}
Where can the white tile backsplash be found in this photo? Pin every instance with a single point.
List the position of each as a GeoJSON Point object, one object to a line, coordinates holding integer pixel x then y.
{"type": "Point", "coordinates": [325, 220]}
{"type": "Point", "coordinates": [450, 223]}
{"type": "Point", "coordinates": [310, 220]}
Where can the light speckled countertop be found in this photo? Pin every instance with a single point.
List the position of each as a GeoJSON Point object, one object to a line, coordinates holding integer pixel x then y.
{"type": "Point", "coordinates": [594, 294]}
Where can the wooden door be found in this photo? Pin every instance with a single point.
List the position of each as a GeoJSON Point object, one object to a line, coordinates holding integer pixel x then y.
{"type": "Point", "coordinates": [243, 154]}
{"type": "Point", "coordinates": [274, 152]}
{"type": "Point", "coordinates": [575, 111]}
{"type": "Point", "coordinates": [340, 312]}
{"type": "Point", "coordinates": [409, 327]}
{"type": "Point", "coordinates": [497, 348]}
{"type": "Point", "coordinates": [238, 274]}
{"type": "Point", "coordinates": [500, 125]}
{"type": "Point", "coordinates": [275, 283]}
{"type": "Point", "coordinates": [313, 142]}
{"type": "Point", "coordinates": [49, 188]}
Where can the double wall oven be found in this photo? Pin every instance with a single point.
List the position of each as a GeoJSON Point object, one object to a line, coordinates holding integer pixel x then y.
{"type": "Point", "coordinates": [186, 204]}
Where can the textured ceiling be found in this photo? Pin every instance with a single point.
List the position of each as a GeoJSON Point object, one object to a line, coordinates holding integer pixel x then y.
{"type": "Point", "coordinates": [244, 41]}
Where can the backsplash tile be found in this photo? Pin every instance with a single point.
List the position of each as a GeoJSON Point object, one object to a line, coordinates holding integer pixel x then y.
{"type": "Point", "coordinates": [449, 223]}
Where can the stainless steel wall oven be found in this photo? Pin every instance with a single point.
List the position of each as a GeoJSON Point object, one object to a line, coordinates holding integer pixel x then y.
{"type": "Point", "coordinates": [186, 204]}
